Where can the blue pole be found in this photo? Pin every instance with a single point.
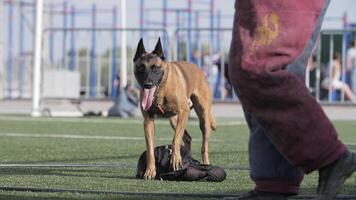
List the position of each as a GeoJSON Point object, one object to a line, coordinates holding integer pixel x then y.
{"type": "Point", "coordinates": [197, 33]}
{"type": "Point", "coordinates": [218, 24]}
{"type": "Point", "coordinates": [51, 36]}
{"type": "Point", "coordinates": [164, 23]}
{"type": "Point", "coordinates": [178, 19]}
{"type": "Point", "coordinates": [164, 12]}
{"type": "Point", "coordinates": [189, 53]}
{"type": "Point", "coordinates": [64, 44]}
{"type": "Point", "coordinates": [220, 80]}
{"type": "Point", "coordinates": [114, 53]}
{"type": "Point", "coordinates": [93, 55]}
{"type": "Point", "coordinates": [142, 15]}
{"type": "Point", "coordinates": [197, 41]}
{"type": "Point", "coordinates": [212, 10]}
{"type": "Point", "coordinates": [72, 40]}
{"type": "Point", "coordinates": [178, 26]}
{"type": "Point", "coordinates": [10, 63]}
{"type": "Point", "coordinates": [21, 49]}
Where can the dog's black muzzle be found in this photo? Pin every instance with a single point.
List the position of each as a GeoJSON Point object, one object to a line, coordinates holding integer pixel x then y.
{"type": "Point", "coordinates": [152, 79]}
{"type": "Point", "coordinates": [148, 84]}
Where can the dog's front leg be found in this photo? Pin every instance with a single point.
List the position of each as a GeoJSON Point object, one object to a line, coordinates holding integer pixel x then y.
{"type": "Point", "coordinates": [149, 136]}
{"type": "Point", "coordinates": [176, 159]}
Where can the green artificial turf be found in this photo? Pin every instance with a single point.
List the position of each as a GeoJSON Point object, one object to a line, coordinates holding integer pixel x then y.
{"type": "Point", "coordinates": [118, 143]}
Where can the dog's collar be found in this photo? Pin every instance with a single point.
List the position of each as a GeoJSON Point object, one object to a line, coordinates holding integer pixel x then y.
{"type": "Point", "coordinates": [160, 109]}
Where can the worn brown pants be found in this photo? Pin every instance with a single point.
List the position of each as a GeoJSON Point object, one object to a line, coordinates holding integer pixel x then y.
{"type": "Point", "coordinates": [271, 42]}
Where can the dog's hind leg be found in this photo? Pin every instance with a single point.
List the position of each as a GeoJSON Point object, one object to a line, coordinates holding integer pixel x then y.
{"type": "Point", "coordinates": [173, 121]}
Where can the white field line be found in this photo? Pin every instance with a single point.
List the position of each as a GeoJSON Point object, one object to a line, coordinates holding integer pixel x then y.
{"type": "Point", "coordinates": [96, 137]}
{"type": "Point", "coordinates": [60, 165]}
{"type": "Point", "coordinates": [86, 137]}
{"type": "Point", "coordinates": [350, 144]}
{"type": "Point", "coordinates": [111, 121]}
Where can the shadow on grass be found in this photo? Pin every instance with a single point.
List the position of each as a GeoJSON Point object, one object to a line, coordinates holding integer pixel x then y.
{"type": "Point", "coordinates": [347, 192]}
{"type": "Point", "coordinates": [74, 160]}
{"type": "Point", "coordinates": [227, 152]}
{"type": "Point", "coordinates": [25, 197]}
{"type": "Point", "coordinates": [20, 196]}
{"type": "Point", "coordinates": [67, 172]}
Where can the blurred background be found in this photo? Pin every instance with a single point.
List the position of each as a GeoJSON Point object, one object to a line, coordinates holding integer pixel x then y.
{"type": "Point", "coordinates": [88, 46]}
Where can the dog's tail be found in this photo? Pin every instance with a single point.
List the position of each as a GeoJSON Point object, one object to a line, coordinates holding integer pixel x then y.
{"type": "Point", "coordinates": [212, 122]}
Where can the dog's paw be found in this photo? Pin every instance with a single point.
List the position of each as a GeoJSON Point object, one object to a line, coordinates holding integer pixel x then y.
{"type": "Point", "coordinates": [150, 174]}
{"type": "Point", "coordinates": [176, 161]}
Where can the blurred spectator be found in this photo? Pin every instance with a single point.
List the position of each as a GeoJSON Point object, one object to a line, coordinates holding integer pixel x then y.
{"type": "Point", "coordinates": [210, 69]}
{"type": "Point", "coordinates": [351, 65]}
{"type": "Point", "coordinates": [196, 58]}
{"type": "Point", "coordinates": [125, 102]}
{"type": "Point", "coordinates": [227, 84]}
{"type": "Point", "coordinates": [310, 75]}
{"type": "Point", "coordinates": [310, 67]}
{"type": "Point", "coordinates": [333, 82]}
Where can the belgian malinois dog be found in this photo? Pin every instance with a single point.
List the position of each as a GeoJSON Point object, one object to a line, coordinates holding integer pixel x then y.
{"type": "Point", "coordinates": [167, 90]}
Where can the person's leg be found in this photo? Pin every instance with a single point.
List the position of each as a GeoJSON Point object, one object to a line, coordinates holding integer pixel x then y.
{"type": "Point", "coordinates": [268, 36]}
{"type": "Point", "coordinates": [281, 177]}
{"type": "Point", "coordinates": [266, 83]}
{"type": "Point", "coordinates": [353, 79]}
{"type": "Point", "coordinates": [348, 93]}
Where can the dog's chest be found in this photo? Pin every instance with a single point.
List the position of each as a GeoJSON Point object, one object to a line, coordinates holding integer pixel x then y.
{"type": "Point", "coordinates": [163, 107]}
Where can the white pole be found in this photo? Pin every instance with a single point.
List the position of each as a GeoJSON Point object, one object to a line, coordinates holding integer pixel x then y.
{"type": "Point", "coordinates": [123, 77]}
{"type": "Point", "coordinates": [2, 51]}
{"type": "Point", "coordinates": [36, 91]}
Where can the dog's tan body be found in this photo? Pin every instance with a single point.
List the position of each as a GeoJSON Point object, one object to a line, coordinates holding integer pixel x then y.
{"type": "Point", "coordinates": [167, 90]}
{"type": "Point", "coordinates": [182, 81]}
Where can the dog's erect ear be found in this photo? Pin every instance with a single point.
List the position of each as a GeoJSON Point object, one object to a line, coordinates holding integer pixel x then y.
{"type": "Point", "coordinates": [140, 50]}
{"type": "Point", "coordinates": [158, 50]}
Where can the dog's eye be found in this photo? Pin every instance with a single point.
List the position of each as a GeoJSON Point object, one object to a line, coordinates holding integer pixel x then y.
{"type": "Point", "coordinates": [155, 68]}
{"type": "Point", "coordinates": [141, 68]}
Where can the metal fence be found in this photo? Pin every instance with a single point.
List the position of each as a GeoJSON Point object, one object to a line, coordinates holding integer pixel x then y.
{"type": "Point", "coordinates": [17, 83]}
{"type": "Point", "coordinates": [208, 48]}
{"type": "Point", "coordinates": [334, 76]}
{"type": "Point", "coordinates": [98, 61]}
{"type": "Point", "coordinates": [96, 57]}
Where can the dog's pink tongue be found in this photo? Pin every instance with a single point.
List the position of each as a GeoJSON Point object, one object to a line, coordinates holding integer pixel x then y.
{"type": "Point", "coordinates": [147, 98]}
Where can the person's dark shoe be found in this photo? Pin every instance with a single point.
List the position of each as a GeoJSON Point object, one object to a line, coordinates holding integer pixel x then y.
{"type": "Point", "coordinates": [254, 195]}
{"type": "Point", "coordinates": [333, 176]}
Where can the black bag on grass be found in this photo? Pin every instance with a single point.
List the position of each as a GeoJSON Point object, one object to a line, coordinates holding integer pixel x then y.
{"type": "Point", "coordinates": [192, 170]}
